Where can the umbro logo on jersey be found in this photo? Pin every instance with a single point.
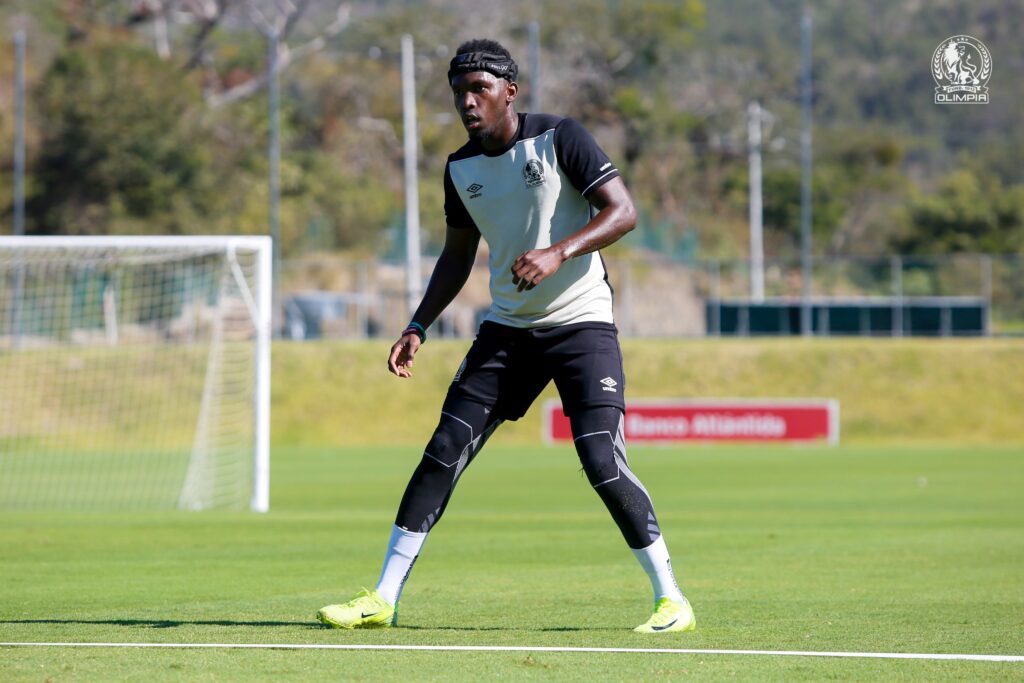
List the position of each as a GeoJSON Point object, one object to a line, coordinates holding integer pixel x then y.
{"type": "Point", "coordinates": [474, 190]}
{"type": "Point", "coordinates": [609, 384]}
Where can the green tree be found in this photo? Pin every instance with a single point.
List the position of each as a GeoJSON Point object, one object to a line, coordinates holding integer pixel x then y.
{"type": "Point", "coordinates": [120, 146]}
{"type": "Point", "coordinates": [969, 212]}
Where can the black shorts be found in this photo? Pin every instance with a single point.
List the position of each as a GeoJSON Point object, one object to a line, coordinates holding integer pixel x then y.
{"type": "Point", "coordinates": [508, 367]}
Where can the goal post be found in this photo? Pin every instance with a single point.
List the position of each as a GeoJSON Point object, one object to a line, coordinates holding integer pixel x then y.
{"type": "Point", "coordinates": [135, 372]}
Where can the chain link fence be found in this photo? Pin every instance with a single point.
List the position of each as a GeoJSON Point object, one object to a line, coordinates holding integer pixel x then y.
{"type": "Point", "coordinates": [327, 297]}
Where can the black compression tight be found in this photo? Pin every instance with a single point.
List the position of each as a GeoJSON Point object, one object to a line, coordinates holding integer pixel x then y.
{"type": "Point", "coordinates": [461, 433]}
{"type": "Point", "coordinates": [601, 445]}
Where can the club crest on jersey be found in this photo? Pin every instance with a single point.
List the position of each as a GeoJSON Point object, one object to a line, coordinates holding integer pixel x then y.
{"type": "Point", "coordinates": [533, 173]}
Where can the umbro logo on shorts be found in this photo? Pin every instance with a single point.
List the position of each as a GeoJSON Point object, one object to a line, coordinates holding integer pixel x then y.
{"type": "Point", "coordinates": [609, 384]}
{"type": "Point", "coordinates": [474, 190]}
{"type": "Point", "coordinates": [458, 373]}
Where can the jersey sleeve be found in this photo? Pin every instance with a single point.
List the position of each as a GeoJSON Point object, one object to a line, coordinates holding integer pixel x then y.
{"type": "Point", "coordinates": [454, 209]}
{"type": "Point", "coordinates": [581, 159]}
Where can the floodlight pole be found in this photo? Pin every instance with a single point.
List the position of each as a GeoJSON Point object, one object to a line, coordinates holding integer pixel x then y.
{"type": "Point", "coordinates": [756, 212]}
{"type": "Point", "coordinates": [19, 180]}
{"type": "Point", "coordinates": [806, 324]}
{"type": "Point", "coordinates": [19, 133]}
{"type": "Point", "coordinates": [534, 67]}
{"type": "Point", "coordinates": [412, 194]}
{"type": "Point", "coordinates": [274, 181]}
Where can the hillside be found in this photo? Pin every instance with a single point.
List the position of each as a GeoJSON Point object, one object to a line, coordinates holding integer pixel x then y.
{"type": "Point", "coordinates": [891, 391]}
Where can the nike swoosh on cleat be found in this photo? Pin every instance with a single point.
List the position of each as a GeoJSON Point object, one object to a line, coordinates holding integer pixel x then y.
{"type": "Point", "coordinates": [662, 628]}
{"type": "Point", "coordinates": [364, 615]}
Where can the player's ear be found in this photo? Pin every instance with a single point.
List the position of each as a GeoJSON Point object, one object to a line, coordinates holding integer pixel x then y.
{"type": "Point", "coordinates": [511, 90]}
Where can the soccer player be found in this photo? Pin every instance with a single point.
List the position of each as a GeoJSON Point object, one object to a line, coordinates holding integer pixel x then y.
{"type": "Point", "coordinates": [546, 198]}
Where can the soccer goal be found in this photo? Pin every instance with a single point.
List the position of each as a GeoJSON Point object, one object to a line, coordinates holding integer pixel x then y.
{"type": "Point", "coordinates": [135, 372]}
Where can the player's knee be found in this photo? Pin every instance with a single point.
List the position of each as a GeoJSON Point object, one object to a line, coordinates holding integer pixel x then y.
{"type": "Point", "coordinates": [450, 439]}
{"type": "Point", "coordinates": [597, 456]}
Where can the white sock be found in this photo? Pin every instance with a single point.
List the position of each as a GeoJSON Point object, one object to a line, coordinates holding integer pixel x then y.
{"type": "Point", "coordinates": [403, 549]}
{"type": "Point", "coordinates": [658, 565]}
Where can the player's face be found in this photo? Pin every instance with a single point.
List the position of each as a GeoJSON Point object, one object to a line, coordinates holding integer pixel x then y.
{"type": "Point", "coordinates": [482, 100]}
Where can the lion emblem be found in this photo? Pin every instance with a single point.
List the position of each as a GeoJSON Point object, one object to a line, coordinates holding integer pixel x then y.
{"type": "Point", "coordinates": [956, 62]}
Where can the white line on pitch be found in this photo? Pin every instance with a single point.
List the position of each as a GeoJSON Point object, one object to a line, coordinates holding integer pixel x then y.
{"type": "Point", "coordinates": [525, 648]}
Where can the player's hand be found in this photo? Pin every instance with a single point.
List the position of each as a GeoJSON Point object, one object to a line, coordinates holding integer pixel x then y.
{"type": "Point", "coordinates": [402, 353]}
{"type": "Point", "coordinates": [532, 267]}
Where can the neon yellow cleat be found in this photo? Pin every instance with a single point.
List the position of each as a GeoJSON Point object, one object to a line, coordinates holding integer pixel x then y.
{"type": "Point", "coordinates": [669, 616]}
{"type": "Point", "coordinates": [367, 610]}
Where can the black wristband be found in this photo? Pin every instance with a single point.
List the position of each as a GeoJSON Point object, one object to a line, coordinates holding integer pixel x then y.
{"type": "Point", "coordinates": [417, 329]}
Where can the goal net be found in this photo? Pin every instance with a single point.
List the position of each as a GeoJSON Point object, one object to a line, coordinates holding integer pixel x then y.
{"type": "Point", "coordinates": [134, 372]}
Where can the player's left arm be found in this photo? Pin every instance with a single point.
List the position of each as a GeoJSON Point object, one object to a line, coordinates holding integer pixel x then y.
{"type": "Point", "coordinates": [615, 216]}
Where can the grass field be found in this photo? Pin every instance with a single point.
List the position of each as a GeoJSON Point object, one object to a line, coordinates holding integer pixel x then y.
{"type": "Point", "coordinates": [860, 548]}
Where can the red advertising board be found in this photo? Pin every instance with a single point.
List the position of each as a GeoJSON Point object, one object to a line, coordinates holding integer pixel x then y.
{"type": "Point", "coordinates": [755, 420]}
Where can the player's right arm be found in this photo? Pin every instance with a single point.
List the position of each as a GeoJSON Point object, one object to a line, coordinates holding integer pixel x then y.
{"type": "Point", "coordinates": [449, 276]}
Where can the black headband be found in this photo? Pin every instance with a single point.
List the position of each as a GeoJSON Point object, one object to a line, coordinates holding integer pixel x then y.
{"type": "Point", "coordinates": [496, 65]}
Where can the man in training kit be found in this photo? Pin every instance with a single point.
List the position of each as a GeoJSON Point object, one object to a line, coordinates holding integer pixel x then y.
{"type": "Point", "coordinates": [546, 198]}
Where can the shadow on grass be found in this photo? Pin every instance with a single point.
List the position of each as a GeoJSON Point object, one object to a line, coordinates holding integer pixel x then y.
{"type": "Point", "coordinates": [172, 623]}
{"type": "Point", "coordinates": [548, 629]}
{"type": "Point", "coordinates": [160, 623]}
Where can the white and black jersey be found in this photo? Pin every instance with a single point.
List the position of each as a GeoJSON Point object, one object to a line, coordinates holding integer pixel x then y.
{"type": "Point", "coordinates": [531, 195]}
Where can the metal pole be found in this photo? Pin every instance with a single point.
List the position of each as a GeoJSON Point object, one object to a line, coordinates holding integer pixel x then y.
{"type": "Point", "coordinates": [986, 293]}
{"type": "Point", "coordinates": [896, 266]}
{"type": "Point", "coordinates": [274, 156]}
{"type": "Point", "coordinates": [806, 328]}
{"type": "Point", "coordinates": [716, 293]}
{"type": "Point", "coordinates": [534, 67]}
{"type": "Point", "coordinates": [19, 134]}
{"type": "Point", "coordinates": [19, 181]}
{"type": "Point", "coordinates": [756, 213]}
{"type": "Point", "coordinates": [412, 194]}
{"type": "Point", "coordinates": [362, 312]}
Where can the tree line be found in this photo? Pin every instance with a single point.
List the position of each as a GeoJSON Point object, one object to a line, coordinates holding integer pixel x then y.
{"type": "Point", "coordinates": [150, 117]}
